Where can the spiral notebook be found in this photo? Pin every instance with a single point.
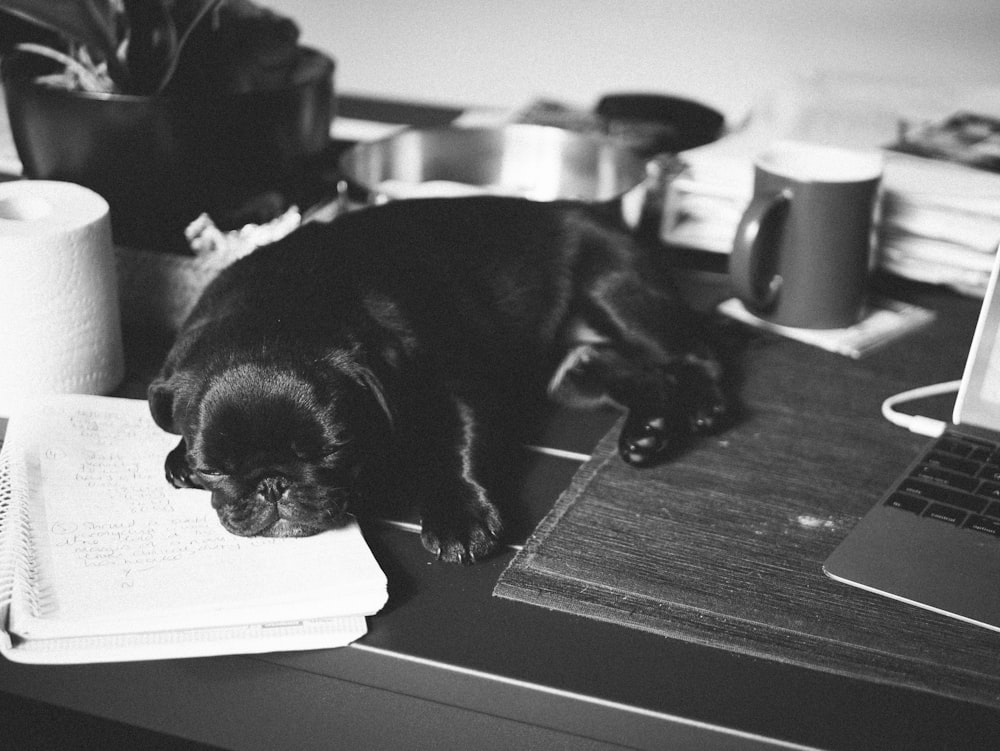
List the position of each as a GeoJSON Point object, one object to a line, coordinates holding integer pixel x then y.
{"type": "Point", "coordinates": [101, 560]}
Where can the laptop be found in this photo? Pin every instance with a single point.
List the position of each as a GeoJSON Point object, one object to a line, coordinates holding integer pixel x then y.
{"type": "Point", "coordinates": [933, 540]}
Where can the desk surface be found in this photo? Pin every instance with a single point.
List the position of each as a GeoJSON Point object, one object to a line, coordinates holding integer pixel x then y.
{"type": "Point", "coordinates": [447, 665]}
{"type": "Point", "coordinates": [447, 661]}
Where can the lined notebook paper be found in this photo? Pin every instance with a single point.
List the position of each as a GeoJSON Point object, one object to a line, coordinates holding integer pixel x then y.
{"type": "Point", "coordinates": [103, 560]}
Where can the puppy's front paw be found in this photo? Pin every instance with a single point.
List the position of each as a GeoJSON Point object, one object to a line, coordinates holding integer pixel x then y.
{"type": "Point", "coordinates": [178, 471]}
{"type": "Point", "coordinates": [462, 534]}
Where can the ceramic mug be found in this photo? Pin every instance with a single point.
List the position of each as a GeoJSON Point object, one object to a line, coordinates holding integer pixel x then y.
{"type": "Point", "coordinates": [802, 255]}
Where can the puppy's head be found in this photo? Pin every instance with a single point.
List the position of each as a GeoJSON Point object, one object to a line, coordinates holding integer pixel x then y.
{"type": "Point", "coordinates": [281, 453]}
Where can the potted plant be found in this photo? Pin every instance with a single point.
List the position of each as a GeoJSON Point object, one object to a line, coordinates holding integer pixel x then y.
{"type": "Point", "coordinates": [168, 108]}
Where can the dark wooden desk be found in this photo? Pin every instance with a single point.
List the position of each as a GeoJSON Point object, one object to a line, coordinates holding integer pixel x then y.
{"type": "Point", "coordinates": [447, 665]}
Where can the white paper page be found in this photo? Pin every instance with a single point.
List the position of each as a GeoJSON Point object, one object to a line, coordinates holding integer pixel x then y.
{"type": "Point", "coordinates": [316, 634]}
{"type": "Point", "coordinates": [118, 550]}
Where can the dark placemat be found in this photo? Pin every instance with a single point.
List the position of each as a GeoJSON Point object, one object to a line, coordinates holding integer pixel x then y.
{"type": "Point", "coordinates": [724, 546]}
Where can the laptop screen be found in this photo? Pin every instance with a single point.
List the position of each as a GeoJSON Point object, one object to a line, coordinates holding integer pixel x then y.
{"type": "Point", "coordinates": [978, 400]}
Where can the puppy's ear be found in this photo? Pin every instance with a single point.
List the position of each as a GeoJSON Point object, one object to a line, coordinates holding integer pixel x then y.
{"type": "Point", "coordinates": [371, 382]}
{"type": "Point", "coordinates": [161, 404]}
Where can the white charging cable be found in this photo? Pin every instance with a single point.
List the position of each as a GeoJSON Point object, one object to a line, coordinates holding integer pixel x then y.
{"type": "Point", "coordinates": [918, 423]}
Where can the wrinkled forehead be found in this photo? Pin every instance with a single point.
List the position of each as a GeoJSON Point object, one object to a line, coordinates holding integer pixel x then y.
{"type": "Point", "coordinates": [255, 382]}
{"type": "Point", "coordinates": [264, 409]}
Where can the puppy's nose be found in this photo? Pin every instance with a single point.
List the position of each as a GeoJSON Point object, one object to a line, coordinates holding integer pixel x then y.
{"type": "Point", "coordinates": [272, 488]}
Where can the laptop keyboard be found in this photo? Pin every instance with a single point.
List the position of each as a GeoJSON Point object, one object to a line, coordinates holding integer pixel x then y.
{"type": "Point", "coordinates": [956, 482]}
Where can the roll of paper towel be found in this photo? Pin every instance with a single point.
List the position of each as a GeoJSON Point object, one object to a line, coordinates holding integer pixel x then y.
{"type": "Point", "coordinates": [60, 328]}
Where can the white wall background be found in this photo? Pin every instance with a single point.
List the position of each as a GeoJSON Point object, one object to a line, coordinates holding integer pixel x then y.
{"type": "Point", "coordinates": [725, 52]}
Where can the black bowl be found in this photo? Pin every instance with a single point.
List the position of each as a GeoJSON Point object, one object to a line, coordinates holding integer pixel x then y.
{"type": "Point", "coordinates": [162, 160]}
{"type": "Point", "coordinates": [659, 123]}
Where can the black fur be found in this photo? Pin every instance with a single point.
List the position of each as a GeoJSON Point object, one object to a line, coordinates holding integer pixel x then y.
{"type": "Point", "coordinates": [394, 334]}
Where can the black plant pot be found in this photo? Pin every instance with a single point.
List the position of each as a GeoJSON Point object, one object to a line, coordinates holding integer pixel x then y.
{"type": "Point", "coordinates": [162, 160]}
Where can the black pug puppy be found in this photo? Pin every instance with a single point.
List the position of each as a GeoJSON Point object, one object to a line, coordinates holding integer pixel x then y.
{"type": "Point", "coordinates": [388, 340]}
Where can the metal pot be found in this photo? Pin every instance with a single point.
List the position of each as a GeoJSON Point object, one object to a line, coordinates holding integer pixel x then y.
{"type": "Point", "coordinates": [532, 161]}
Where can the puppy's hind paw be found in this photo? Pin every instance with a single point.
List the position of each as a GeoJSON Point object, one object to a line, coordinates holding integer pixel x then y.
{"type": "Point", "coordinates": [470, 534]}
{"type": "Point", "coordinates": [645, 441]}
{"type": "Point", "coordinates": [709, 414]}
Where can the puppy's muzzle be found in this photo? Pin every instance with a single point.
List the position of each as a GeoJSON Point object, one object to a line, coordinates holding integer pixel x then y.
{"type": "Point", "coordinates": [277, 508]}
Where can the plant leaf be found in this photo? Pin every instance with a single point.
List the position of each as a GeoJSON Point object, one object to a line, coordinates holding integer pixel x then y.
{"type": "Point", "coordinates": [91, 23]}
{"type": "Point", "coordinates": [78, 74]}
{"type": "Point", "coordinates": [203, 8]}
{"type": "Point", "coordinates": [87, 22]}
{"type": "Point", "coordinates": [152, 44]}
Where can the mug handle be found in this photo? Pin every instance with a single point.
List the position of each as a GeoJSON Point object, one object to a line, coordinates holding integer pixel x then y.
{"type": "Point", "coordinates": [753, 262]}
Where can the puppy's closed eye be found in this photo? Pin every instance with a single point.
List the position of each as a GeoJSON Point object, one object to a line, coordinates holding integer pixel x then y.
{"type": "Point", "coordinates": [323, 452]}
{"type": "Point", "coordinates": [331, 456]}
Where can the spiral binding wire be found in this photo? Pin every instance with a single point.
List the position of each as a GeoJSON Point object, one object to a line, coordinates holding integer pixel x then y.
{"type": "Point", "coordinates": [18, 570]}
{"type": "Point", "coordinates": [7, 556]}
